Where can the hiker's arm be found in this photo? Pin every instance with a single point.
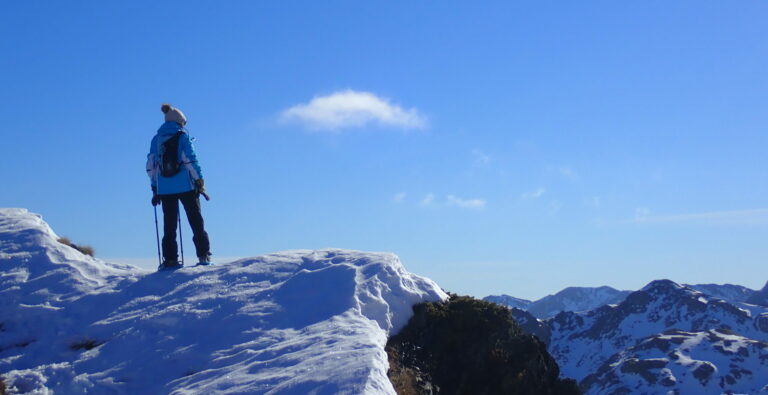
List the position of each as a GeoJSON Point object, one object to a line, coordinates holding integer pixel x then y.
{"type": "Point", "coordinates": [189, 157]}
{"type": "Point", "coordinates": [152, 165]}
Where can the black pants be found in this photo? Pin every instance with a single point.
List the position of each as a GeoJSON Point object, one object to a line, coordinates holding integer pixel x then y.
{"type": "Point", "coordinates": [191, 202]}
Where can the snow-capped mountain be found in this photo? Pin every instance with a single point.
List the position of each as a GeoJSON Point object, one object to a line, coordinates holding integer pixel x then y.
{"type": "Point", "coordinates": [576, 299]}
{"type": "Point", "coordinates": [729, 292]}
{"type": "Point", "coordinates": [509, 301]}
{"type": "Point", "coordinates": [618, 348]}
{"type": "Point", "coordinates": [707, 362]}
{"type": "Point", "coordinates": [569, 299]}
{"type": "Point", "coordinates": [291, 322]}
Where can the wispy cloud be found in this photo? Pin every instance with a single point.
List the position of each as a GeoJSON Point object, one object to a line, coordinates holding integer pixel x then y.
{"type": "Point", "coordinates": [465, 203]}
{"type": "Point", "coordinates": [347, 109]}
{"type": "Point", "coordinates": [642, 214]}
{"type": "Point", "coordinates": [399, 197]}
{"type": "Point", "coordinates": [738, 217]}
{"type": "Point", "coordinates": [428, 200]}
{"type": "Point", "coordinates": [535, 194]}
{"type": "Point", "coordinates": [567, 172]}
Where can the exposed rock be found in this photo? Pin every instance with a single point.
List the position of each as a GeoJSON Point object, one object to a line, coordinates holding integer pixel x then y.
{"type": "Point", "coordinates": [643, 367]}
{"type": "Point", "coordinates": [467, 346]}
{"type": "Point", "coordinates": [761, 322]}
{"type": "Point", "coordinates": [704, 372]}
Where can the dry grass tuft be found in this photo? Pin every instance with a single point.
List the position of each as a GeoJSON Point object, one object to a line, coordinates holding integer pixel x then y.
{"type": "Point", "coordinates": [85, 249]}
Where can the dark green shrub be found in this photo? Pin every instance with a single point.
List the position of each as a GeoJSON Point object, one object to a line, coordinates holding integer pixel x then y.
{"type": "Point", "coordinates": [469, 346]}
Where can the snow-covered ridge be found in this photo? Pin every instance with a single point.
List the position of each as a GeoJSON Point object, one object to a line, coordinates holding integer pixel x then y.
{"type": "Point", "coordinates": [37, 269]}
{"type": "Point", "coordinates": [290, 322]}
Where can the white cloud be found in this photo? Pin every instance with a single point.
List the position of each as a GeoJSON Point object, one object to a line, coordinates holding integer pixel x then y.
{"type": "Point", "coordinates": [737, 217]}
{"type": "Point", "coordinates": [567, 172]}
{"type": "Point", "coordinates": [428, 200]}
{"type": "Point", "coordinates": [535, 194]}
{"type": "Point", "coordinates": [465, 203]}
{"type": "Point", "coordinates": [399, 197]}
{"type": "Point", "coordinates": [346, 109]}
{"type": "Point", "coordinates": [642, 214]}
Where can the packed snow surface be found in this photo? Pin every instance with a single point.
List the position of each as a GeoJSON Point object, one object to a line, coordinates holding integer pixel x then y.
{"type": "Point", "coordinates": [294, 322]}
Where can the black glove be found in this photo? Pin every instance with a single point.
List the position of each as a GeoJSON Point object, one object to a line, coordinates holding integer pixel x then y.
{"type": "Point", "coordinates": [200, 185]}
{"type": "Point", "coordinates": [155, 196]}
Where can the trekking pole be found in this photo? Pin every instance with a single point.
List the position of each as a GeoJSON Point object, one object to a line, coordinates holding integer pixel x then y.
{"type": "Point", "coordinates": [157, 236]}
{"type": "Point", "coordinates": [181, 239]}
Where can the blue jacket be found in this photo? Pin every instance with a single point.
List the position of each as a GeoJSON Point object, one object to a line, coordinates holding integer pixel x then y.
{"type": "Point", "coordinates": [184, 180]}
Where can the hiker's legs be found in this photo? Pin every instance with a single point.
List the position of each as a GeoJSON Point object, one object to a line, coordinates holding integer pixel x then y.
{"type": "Point", "coordinates": [191, 202]}
{"type": "Point", "coordinates": [170, 217]}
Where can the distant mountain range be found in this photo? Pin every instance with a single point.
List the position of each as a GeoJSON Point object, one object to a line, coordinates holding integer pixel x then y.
{"type": "Point", "coordinates": [664, 338]}
{"type": "Point", "coordinates": [588, 298]}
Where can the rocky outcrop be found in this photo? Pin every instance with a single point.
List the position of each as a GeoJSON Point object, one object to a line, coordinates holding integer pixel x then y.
{"type": "Point", "coordinates": [467, 345]}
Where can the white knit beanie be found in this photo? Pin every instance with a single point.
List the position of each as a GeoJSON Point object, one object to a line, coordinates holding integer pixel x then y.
{"type": "Point", "coordinates": [173, 114]}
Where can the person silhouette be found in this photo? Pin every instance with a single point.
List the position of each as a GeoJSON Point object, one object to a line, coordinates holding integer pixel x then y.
{"type": "Point", "coordinates": [175, 176]}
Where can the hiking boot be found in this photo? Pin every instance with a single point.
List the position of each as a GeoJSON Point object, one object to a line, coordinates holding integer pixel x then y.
{"type": "Point", "coordinates": [170, 264]}
{"type": "Point", "coordinates": [204, 260]}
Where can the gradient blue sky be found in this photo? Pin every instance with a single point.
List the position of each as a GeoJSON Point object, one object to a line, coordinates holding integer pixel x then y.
{"type": "Point", "coordinates": [529, 146]}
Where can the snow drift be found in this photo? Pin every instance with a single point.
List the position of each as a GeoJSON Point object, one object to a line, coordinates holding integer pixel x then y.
{"type": "Point", "coordinates": [291, 322]}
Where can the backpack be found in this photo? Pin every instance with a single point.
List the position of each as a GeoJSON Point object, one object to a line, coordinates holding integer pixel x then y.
{"type": "Point", "coordinates": [169, 156]}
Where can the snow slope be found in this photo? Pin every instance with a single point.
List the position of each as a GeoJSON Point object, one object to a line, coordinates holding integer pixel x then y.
{"type": "Point", "coordinates": [294, 322]}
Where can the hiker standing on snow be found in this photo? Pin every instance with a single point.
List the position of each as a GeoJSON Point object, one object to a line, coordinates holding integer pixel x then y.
{"type": "Point", "coordinates": [176, 176]}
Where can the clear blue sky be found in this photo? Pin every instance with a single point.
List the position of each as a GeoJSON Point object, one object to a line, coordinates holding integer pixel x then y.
{"type": "Point", "coordinates": [508, 147]}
